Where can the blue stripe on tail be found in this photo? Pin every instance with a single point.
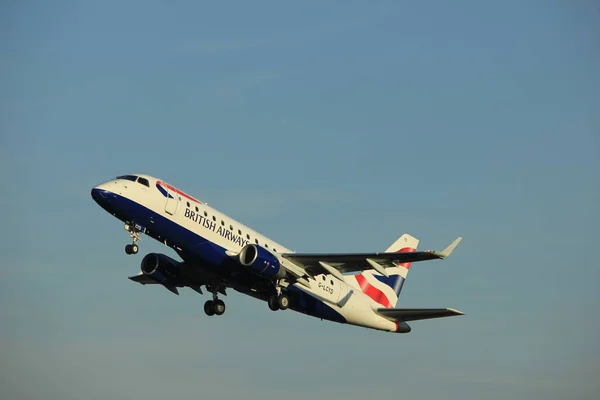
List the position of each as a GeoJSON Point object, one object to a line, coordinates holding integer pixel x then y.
{"type": "Point", "coordinates": [393, 281]}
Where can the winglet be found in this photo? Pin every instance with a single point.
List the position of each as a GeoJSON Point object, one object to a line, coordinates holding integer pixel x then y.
{"type": "Point", "coordinates": [448, 250]}
{"type": "Point", "coordinates": [456, 312]}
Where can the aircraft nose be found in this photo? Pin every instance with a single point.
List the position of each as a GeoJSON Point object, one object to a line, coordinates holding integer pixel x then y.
{"type": "Point", "coordinates": [98, 194]}
{"type": "Point", "coordinates": [101, 196]}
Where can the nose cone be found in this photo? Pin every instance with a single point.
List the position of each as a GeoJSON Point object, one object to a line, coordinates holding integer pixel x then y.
{"type": "Point", "coordinates": [98, 194]}
{"type": "Point", "coordinates": [102, 196]}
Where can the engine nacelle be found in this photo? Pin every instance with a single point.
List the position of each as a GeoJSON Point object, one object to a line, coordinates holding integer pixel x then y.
{"type": "Point", "coordinates": [261, 262]}
{"type": "Point", "coordinates": [159, 267]}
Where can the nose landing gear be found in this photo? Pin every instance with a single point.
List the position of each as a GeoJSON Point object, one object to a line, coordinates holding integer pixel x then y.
{"type": "Point", "coordinates": [132, 249]}
{"type": "Point", "coordinates": [135, 236]}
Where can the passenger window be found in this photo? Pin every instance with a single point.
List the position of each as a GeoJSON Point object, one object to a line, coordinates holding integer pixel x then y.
{"type": "Point", "coordinates": [230, 227]}
{"type": "Point", "coordinates": [331, 281]}
{"type": "Point", "coordinates": [266, 245]}
{"type": "Point", "coordinates": [196, 208]}
{"type": "Point", "coordinates": [144, 182]}
{"type": "Point", "coordinates": [239, 232]}
{"type": "Point", "coordinates": [222, 223]}
{"type": "Point", "coordinates": [188, 203]}
{"type": "Point", "coordinates": [205, 214]}
{"type": "Point", "coordinates": [214, 218]}
{"type": "Point", "coordinates": [248, 236]}
{"type": "Point", "coordinates": [324, 278]}
{"type": "Point", "coordinates": [256, 241]}
{"type": "Point", "coordinates": [275, 250]}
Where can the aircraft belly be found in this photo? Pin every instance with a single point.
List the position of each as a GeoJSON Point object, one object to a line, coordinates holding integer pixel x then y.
{"type": "Point", "coordinates": [307, 304]}
{"type": "Point", "coordinates": [356, 311]}
{"type": "Point", "coordinates": [349, 306]}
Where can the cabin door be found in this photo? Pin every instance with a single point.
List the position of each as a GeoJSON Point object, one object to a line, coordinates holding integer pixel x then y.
{"type": "Point", "coordinates": [172, 201]}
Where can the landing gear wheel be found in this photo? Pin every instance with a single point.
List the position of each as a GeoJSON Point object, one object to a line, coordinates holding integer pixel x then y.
{"type": "Point", "coordinates": [283, 301]}
{"type": "Point", "coordinates": [273, 302]}
{"type": "Point", "coordinates": [209, 307]}
{"type": "Point", "coordinates": [135, 236]}
{"type": "Point", "coordinates": [219, 307]}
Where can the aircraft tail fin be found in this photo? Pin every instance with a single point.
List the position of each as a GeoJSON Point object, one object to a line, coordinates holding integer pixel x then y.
{"type": "Point", "coordinates": [386, 289]}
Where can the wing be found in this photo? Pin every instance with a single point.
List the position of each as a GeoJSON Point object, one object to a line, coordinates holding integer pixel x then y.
{"type": "Point", "coordinates": [413, 314]}
{"type": "Point", "coordinates": [145, 280]}
{"type": "Point", "coordinates": [315, 264]}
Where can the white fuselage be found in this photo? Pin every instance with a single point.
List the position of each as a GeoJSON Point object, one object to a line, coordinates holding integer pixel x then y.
{"type": "Point", "coordinates": [192, 227]}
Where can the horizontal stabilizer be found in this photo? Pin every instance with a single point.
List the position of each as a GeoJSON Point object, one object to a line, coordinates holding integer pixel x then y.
{"type": "Point", "coordinates": [414, 314]}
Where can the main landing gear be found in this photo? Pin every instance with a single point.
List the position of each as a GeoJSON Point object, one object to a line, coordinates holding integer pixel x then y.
{"type": "Point", "coordinates": [135, 236]}
{"type": "Point", "coordinates": [279, 301]}
{"type": "Point", "coordinates": [214, 306]}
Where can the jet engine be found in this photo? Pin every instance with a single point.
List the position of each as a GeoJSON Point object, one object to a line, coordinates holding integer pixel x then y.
{"type": "Point", "coordinates": [261, 262]}
{"type": "Point", "coordinates": [159, 268]}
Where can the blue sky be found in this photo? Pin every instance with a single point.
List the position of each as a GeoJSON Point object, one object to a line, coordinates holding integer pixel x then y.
{"type": "Point", "coordinates": [331, 126]}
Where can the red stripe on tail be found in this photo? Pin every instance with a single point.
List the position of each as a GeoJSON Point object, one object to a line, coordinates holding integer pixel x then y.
{"type": "Point", "coordinates": [406, 250]}
{"type": "Point", "coordinates": [372, 291]}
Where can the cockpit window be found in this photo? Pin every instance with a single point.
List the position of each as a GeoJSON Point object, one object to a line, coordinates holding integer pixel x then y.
{"type": "Point", "coordinates": [131, 178]}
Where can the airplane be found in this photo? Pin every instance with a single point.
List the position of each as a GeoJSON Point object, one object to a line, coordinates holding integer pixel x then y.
{"type": "Point", "coordinates": [220, 253]}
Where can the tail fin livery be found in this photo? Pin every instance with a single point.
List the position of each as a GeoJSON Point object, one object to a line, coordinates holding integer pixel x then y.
{"type": "Point", "coordinates": [386, 289]}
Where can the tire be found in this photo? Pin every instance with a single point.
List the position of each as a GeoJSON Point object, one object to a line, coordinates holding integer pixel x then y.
{"type": "Point", "coordinates": [209, 308]}
{"type": "Point", "coordinates": [219, 307]}
{"type": "Point", "coordinates": [134, 249]}
{"type": "Point", "coordinates": [128, 249]}
{"type": "Point", "coordinates": [283, 301]}
{"type": "Point", "coordinates": [273, 303]}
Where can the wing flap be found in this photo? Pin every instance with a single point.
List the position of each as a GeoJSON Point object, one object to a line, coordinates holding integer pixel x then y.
{"type": "Point", "coordinates": [414, 314]}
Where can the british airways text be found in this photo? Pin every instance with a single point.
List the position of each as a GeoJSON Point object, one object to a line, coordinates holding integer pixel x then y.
{"type": "Point", "coordinates": [208, 224]}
